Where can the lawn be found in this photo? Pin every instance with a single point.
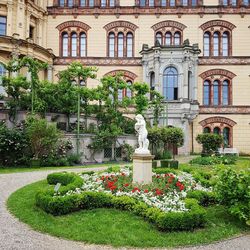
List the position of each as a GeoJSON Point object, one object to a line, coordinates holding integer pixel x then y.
{"type": "Point", "coordinates": [117, 228]}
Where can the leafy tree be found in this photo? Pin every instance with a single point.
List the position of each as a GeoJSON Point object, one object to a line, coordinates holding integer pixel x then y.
{"type": "Point", "coordinates": [210, 142]}
{"type": "Point", "coordinates": [141, 101]}
{"type": "Point", "coordinates": [156, 105]}
{"type": "Point", "coordinates": [155, 138]}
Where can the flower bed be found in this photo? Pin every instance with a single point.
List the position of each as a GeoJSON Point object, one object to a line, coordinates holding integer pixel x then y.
{"type": "Point", "coordinates": [163, 202]}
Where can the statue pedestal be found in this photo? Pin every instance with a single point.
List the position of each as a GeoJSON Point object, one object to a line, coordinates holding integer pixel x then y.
{"type": "Point", "coordinates": [142, 168]}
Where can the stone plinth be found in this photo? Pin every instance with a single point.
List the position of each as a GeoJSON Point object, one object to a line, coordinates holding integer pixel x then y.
{"type": "Point", "coordinates": [142, 168]}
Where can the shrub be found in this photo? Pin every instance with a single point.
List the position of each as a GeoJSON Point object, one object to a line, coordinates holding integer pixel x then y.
{"type": "Point", "coordinates": [164, 171]}
{"type": "Point", "coordinates": [210, 142]}
{"type": "Point", "coordinates": [174, 164]}
{"type": "Point", "coordinates": [166, 155]}
{"type": "Point", "coordinates": [14, 146]}
{"type": "Point", "coordinates": [154, 164]}
{"type": "Point", "coordinates": [165, 163]}
{"type": "Point", "coordinates": [212, 160]}
{"type": "Point", "coordinates": [127, 152]}
{"type": "Point", "coordinates": [204, 198]}
{"type": "Point", "coordinates": [233, 191]}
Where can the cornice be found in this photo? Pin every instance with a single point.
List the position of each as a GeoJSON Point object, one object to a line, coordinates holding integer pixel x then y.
{"type": "Point", "coordinates": [230, 60]}
{"type": "Point", "coordinates": [236, 110]}
{"type": "Point", "coordinates": [136, 11]}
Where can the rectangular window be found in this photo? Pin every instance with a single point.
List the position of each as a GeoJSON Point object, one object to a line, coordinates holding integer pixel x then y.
{"type": "Point", "coordinates": [111, 3]}
{"type": "Point", "coordinates": [103, 3]}
{"type": "Point", "coordinates": [31, 32]}
{"type": "Point", "coordinates": [172, 3]}
{"type": "Point", "coordinates": [91, 3]}
{"type": "Point", "coordinates": [142, 3]}
{"type": "Point", "coordinates": [194, 2]}
{"type": "Point", "coordinates": [163, 3]}
{"type": "Point", "coordinates": [184, 2]}
{"type": "Point", "coordinates": [82, 3]}
{"type": "Point", "coordinates": [108, 153]}
{"type": "Point", "coordinates": [3, 21]}
{"type": "Point", "coordinates": [70, 3]}
{"type": "Point", "coordinates": [151, 3]}
{"type": "Point", "coordinates": [234, 2]}
{"type": "Point", "coordinates": [61, 3]}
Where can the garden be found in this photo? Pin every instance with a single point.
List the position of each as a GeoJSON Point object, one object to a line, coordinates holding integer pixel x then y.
{"type": "Point", "coordinates": [199, 202]}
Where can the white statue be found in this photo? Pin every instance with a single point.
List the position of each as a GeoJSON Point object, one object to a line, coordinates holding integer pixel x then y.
{"type": "Point", "coordinates": [140, 127]}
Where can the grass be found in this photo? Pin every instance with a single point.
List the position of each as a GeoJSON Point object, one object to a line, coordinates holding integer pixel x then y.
{"type": "Point", "coordinates": [9, 170]}
{"type": "Point", "coordinates": [117, 228]}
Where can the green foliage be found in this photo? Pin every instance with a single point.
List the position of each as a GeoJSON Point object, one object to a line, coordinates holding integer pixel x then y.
{"type": "Point", "coordinates": [14, 146]}
{"type": "Point", "coordinates": [170, 221]}
{"type": "Point", "coordinates": [127, 152]}
{"type": "Point", "coordinates": [154, 136]}
{"type": "Point", "coordinates": [212, 160]}
{"type": "Point", "coordinates": [165, 163]}
{"type": "Point", "coordinates": [156, 105]}
{"type": "Point", "coordinates": [233, 190]}
{"type": "Point", "coordinates": [42, 136]}
{"type": "Point", "coordinates": [166, 155]}
{"type": "Point", "coordinates": [210, 142]}
{"type": "Point", "coordinates": [140, 91]}
{"type": "Point", "coordinates": [204, 198]}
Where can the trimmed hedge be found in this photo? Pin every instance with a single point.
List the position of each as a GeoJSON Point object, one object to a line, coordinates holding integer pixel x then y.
{"type": "Point", "coordinates": [171, 221]}
{"type": "Point", "coordinates": [204, 198]}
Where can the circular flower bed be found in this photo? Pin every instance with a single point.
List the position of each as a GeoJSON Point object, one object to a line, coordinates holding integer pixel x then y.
{"type": "Point", "coordinates": [167, 191]}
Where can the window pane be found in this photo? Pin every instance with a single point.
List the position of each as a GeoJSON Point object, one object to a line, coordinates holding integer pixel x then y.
{"type": "Point", "coordinates": [74, 45]}
{"type": "Point", "coordinates": [216, 44]}
{"type": "Point", "coordinates": [129, 92]}
{"type": "Point", "coordinates": [151, 3]}
{"type": "Point", "coordinates": [168, 38]}
{"type": "Point", "coordinates": [111, 45]}
{"type": "Point", "coordinates": [194, 2]}
{"type": "Point", "coordinates": [216, 92]}
{"type": "Point", "coordinates": [142, 3]}
{"type": "Point", "coordinates": [172, 3]}
{"type": "Point", "coordinates": [234, 2]}
{"type": "Point", "coordinates": [206, 130]}
{"type": "Point", "coordinates": [177, 38]}
{"type": "Point", "coordinates": [3, 25]}
{"type": "Point", "coordinates": [2, 73]}
{"type": "Point", "coordinates": [83, 45]}
{"type": "Point", "coordinates": [206, 44]}
{"type": "Point", "coordinates": [225, 91]}
{"type": "Point", "coordinates": [225, 2]}
{"type": "Point", "coordinates": [225, 44]}
{"type": "Point", "coordinates": [120, 94]}
{"type": "Point", "coordinates": [65, 44]}
{"type": "Point", "coordinates": [216, 130]}
{"type": "Point", "coordinates": [246, 2]}
{"type": "Point", "coordinates": [163, 3]}
{"type": "Point", "coordinates": [120, 45]}
{"type": "Point", "coordinates": [83, 3]}
{"type": "Point", "coordinates": [226, 136]}
{"type": "Point", "coordinates": [111, 3]}
{"type": "Point", "coordinates": [103, 3]}
{"type": "Point", "coordinates": [159, 38]}
{"type": "Point", "coordinates": [206, 93]}
{"type": "Point", "coordinates": [61, 3]}
{"type": "Point", "coordinates": [129, 45]}
{"type": "Point", "coordinates": [184, 2]}
{"type": "Point", "coordinates": [70, 3]}
{"type": "Point", "coordinates": [170, 83]}
{"type": "Point", "coordinates": [91, 3]}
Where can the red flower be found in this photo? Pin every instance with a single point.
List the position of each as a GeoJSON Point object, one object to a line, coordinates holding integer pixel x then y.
{"type": "Point", "coordinates": [122, 174]}
{"type": "Point", "coordinates": [181, 187]}
{"type": "Point", "coordinates": [113, 188]}
{"type": "Point", "coordinates": [170, 180]}
{"type": "Point", "coordinates": [110, 183]}
{"type": "Point", "coordinates": [136, 189]}
{"type": "Point", "coordinates": [158, 192]}
{"type": "Point", "coordinates": [146, 191]}
{"type": "Point", "coordinates": [126, 185]}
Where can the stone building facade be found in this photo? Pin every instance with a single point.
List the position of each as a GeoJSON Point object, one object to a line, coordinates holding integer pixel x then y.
{"type": "Point", "coordinates": [195, 52]}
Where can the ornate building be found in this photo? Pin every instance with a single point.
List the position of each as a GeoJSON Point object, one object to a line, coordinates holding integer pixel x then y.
{"type": "Point", "coordinates": [194, 52]}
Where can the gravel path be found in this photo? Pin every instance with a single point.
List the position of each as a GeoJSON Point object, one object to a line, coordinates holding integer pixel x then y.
{"type": "Point", "coordinates": [15, 235]}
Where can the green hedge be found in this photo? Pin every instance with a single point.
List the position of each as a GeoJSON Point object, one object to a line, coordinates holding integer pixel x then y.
{"type": "Point", "coordinates": [171, 221]}
{"type": "Point", "coordinates": [204, 198]}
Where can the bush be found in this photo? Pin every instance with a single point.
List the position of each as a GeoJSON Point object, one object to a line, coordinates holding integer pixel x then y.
{"type": "Point", "coordinates": [212, 160]}
{"type": "Point", "coordinates": [171, 221]}
{"type": "Point", "coordinates": [210, 142]}
{"type": "Point", "coordinates": [14, 146]}
{"type": "Point", "coordinates": [166, 155]}
{"type": "Point", "coordinates": [204, 198]}
{"type": "Point", "coordinates": [233, 191]}
{"type": "Point", "coordinates": [164, 171]}
{"type": "Point", "coordinates": [154, 164]}
{"type": "Point", "coordinates": [174, 164]}
{"type": "Point", "coordinates": [127, 152]}
{"type": "Point", "coordinates": [165, 163]}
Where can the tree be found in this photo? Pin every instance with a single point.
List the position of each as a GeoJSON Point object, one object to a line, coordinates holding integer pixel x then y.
{"type": "Point", "coordinates": [155, 138]}
{"type": "Point", "coordinates": [210, 142]}
{"type": "Point", "coordinates": [156, 105]}
{"type": "Point", "coordinates": [140, 99]}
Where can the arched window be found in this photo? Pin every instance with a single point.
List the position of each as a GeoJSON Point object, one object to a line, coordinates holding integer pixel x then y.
{"type": "Point", "coordinates": [206, 44]}
{"type": "Point", "coordinates": [216, 93]}
{"type": "Point", "coordinates": [225, 43]}
{"type": "Point", "coordinates": [61, 3]}
{"type": "Point", "coordinates": [226, 136]}
{"type": "Point", "coordinates": [159, 38]}
{"type": "Point", "coordinates": [111, 44]}
{"type": "Point", "coordinates": [216, 130]}
{"type": "Point", "coordinates": [171, 3]}
{"type": "Point", "coordinates": [170, 83]}
{"type": "Point", "coordinates": [83, 45]}
{"type": "Point", "coordinates": [216, 44]}
{"type": "Point", "coordinates": [168, 38]}
{"type": "Point", "coordinates": [128, 91]}
{"type": "Point", "coordinates": [120, 44]}
{"type": "Point", "coordinates": [206, 130]}
{"type": "Point", "coordinates": [206, 93]}
{"type": "Point", "coordinates": [120, 94]}
{"type": "Point", "coordinates": [83, 3]}
{"type": "Point", "coordinates": [225, 93]}
{"type": "Point", "coordinates": [65, 44]}
{"type": "Point", "coordinates": [129, 45]}
{"type": "Point", "coordinates": [70, 3]}
{"type": "Point", "coordinates": [177, 38]}
{"type": "Point", "coordinates": [73, 44]}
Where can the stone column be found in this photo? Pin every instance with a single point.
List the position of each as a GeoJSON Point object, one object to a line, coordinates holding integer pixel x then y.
{"type": "Point", "coordinates": [15, 56]}
{"type": "Point", "coordinates": [50, 73]}
{"type": "Point", "coordinates": [195, 79]}
{"type": "Point", "coordinates": [185, 80]}
{"type": "Point", "coordinates": [10, 28]}
{"type": "Point", "coordinates": [157, 71]}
